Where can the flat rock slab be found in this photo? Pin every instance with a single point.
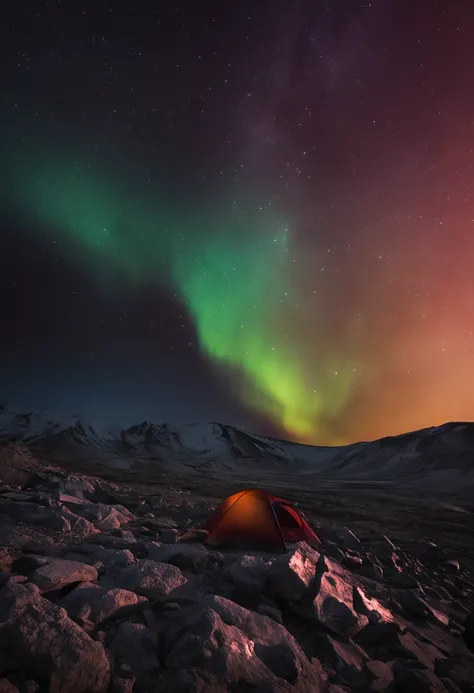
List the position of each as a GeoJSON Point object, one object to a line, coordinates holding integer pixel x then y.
{"type": "Point", "coordinates": [58, 573]}
{"type": "Point", "coordinates": [17, 496]}
{"type": "Point", "coordinates": [415, 605]}
{"type": "Point", "coordinates": [147, 578]}
{"type": "Point", "coordinates": [31, 513]}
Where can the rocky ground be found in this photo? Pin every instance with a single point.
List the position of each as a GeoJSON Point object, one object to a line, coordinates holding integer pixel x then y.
{"type": "Point", "coordinates": [97, 593]}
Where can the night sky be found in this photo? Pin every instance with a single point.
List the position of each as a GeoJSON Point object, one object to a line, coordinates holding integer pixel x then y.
{"type": "Point", "coordinates": [258, 213]}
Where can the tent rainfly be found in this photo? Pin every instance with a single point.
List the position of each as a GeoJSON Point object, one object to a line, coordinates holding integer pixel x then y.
{"type": "Point", "coordinates": [257, 519]}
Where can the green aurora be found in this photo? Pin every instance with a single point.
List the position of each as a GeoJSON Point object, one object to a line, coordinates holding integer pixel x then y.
{"type": "Point", "coordinates": [232, 269]}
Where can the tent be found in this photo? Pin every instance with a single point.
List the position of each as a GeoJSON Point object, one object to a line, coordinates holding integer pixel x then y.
{"type": "Point", "coordinates": [255, 518]}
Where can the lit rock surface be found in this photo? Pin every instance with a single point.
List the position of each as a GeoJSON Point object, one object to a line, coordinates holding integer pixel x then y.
{"type": "Point", "coordinates": [100, 604]}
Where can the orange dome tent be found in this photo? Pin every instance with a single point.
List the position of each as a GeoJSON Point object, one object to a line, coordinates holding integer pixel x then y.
{"type": "Point", "coordinates": [255, 518]}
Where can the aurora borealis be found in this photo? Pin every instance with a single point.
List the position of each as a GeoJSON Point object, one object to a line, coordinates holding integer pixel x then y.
{"type": "Point", "coordinates": [290, 189]}
{"type": "Point", "coordinates": [234, 275]}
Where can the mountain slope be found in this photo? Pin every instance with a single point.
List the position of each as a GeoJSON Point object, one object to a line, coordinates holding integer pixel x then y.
{"type": "Point", "coordinates": [49, 431]}
{"type": "Point", "coordinates": [434, 459]}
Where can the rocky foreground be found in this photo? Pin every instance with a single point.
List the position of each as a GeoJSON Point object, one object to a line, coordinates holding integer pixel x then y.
{"type": "Point", "coordinates": [97, 594]}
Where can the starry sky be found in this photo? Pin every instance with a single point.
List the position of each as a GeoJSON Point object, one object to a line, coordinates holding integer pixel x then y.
{"type": "Point", "coordinates": [253, 213]}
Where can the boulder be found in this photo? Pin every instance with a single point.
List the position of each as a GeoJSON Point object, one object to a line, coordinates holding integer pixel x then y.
{"type": "Point", "coordinates": [270, 611]}
{"type": "Point", "coordinates": [169, 536]}
{"type": "Point", "coordinates": [317, 589]}
{"type": "Point", "coordinates": [426, 653]}
{"type": "Point", "coordinates": [380, 638]}
{"type": "Point", "coordinates": [293, 573]}
{"type": "Point", "coordinates": [78, 524]}
{"type": "Point", "coordinates": [68, 499]}
{"type": "Point", "coordinates": [190, 557]}
{"type": "Point", "coordinates": [381, 686]}
{"type": "Point", "coordinates": [418, 681]}
{"type": "Point", "coordinates": [38, 637]}
{"type": "Point", "coordinates": [371, 570]}
{"type": "Point", "coordinates": [75, 486]}
{"type": "Point", "coordinates": [17, 466]}
{"type": "Point", "coordinates": [13, 535]}
{"type": "Point", "coordinates": [416, 606]}
{"type": "Point", "coordinates": [249, 573]}
{"type": "Point", "coordinates": [345, 657]}
{"type": "Point", "coordinates": [91, 603]}
{"type": "Point", "coordinates": [18, 496]}
{"type": "Point", "coordinates": [370, 607]}
{"type": "Point", "coordinates": [57, 573]}
{"type": "Point", "coordinates": [193, 535]}
{"type": "Point", "coordinates": [115, 559]}
{"type": "Point", "coordinates": [229, 645]}
{"type": "Point", "coordinates": [451, 565]}
{"type": "Point", "coordinates": [133, 650]}
{"type": "Point", "coordinates": [379, 670]}
{"type": "Point", "coordinates": [161, 523]}
{"type": "Point", "coordinates": [333, 605]}
{"type": "Point", "coordinates": [31, 513]}
{"type": "Point", "coordinates": [146, 577]}
{"type": "Point", "coordinates": [351, 562]}
{"type": "Point", "coordinates": [459, 669]}
{"type": "Point", "coordinates": [27, 563]}
{"type": "Point", "coordinates": [333, 551]}
{"type": "Point", "coordinates": [105, 517]}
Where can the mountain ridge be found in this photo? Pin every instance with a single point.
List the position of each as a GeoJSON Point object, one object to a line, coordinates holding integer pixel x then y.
{"type": "Point", "coordinates": [438, 458]}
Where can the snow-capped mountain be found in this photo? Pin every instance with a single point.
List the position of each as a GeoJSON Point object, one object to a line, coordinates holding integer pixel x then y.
{"type": "Point", "coordinates": [52, 432]}
{"type": "Point", "coordinates": [433, 459]}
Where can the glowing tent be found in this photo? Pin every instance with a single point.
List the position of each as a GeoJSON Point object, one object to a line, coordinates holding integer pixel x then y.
{"type": "Point", "coordinates": [255, 518]}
